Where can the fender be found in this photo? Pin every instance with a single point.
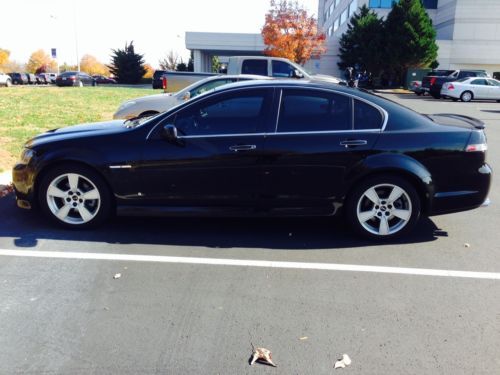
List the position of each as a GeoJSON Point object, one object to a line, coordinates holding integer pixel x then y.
{"type": "Point", "coordinates": [399, 164]}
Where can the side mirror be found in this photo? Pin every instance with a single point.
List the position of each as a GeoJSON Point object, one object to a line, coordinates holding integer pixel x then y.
{"type": "Point", "coordinates": [297, 74]}
{"type": "Point", "coordinates": [186, 96]}
{"type": "Point", "coordinates": [170, 133]}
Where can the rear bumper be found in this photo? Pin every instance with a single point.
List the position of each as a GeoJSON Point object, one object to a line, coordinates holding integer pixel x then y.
{"type": "Point", "coordinates": [464, 200]}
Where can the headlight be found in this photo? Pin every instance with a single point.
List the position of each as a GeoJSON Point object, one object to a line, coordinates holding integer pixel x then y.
{"type": "Point", "coordinates": [26, 155]}
{"type": "Point", "coordinates": [126, 104]}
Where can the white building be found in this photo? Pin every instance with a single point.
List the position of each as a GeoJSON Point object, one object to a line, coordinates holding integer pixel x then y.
{"type": "Point", "coordinates": [468, 31]}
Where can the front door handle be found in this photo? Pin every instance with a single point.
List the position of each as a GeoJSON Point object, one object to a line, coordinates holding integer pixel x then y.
{"type": "Point", "coordinates": [237, 148]}
{"type": "Point", "coordinates": [353, 142]}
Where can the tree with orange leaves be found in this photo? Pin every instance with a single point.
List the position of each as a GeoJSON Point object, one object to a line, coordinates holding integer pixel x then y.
{"type": "Point", "coordinates": [291, 33]}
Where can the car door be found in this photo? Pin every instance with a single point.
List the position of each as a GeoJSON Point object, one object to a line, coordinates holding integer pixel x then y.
{"type": "Point", "coordinates": [480, 88]}
{"type": "Point", "coordinates": [216, 159]}
{"type": "Point", "coordinates": [318, 137]}
{"type": "Point", "coordinates": [494, 89]}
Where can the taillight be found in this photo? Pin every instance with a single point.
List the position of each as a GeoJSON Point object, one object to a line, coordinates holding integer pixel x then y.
{"type": "Point", "coordinates": [450, 86]}
{"type": "Point", "coordinates": [72, 78]}
{"type": "Point", "coordinates": [433, 79]}
{"type": "Point", "coordinates": [480, 147]}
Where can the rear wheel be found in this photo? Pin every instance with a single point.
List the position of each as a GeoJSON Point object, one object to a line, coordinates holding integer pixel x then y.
{"type": "Point", "coordinates": [383, 207]}
{"type": "Point", "coordinates": [466, 96]}
{"type": "Point", "coordinates": [74, 196]}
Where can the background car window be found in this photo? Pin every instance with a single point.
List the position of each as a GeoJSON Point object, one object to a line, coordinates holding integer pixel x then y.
{"type": "Point", "coordinates": [258, 67]}
{"type": "Point", "coordinates": [230, 114]}
{"type": "Point", "coordinates": [466, 74]}
{"type": "Point", "coordinates": [209, 86]}
{"type": "Point", "coordinates": [366, 116]}
{"type": "Point", "coordinates": [492, 82]}
{"type": "Point", "coordinates": [282, 69]}
{"type": "Point", "coordinates": [479, 82]}
{"type": "Point", "coordinates": [304, 110]}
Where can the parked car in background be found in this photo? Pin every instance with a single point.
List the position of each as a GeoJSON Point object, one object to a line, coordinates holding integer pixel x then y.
{"type": "Point", "coordinates": [472, 88]}
{"type": "Point", "coordinates": [434, 82]}
{"type": "Point", "coordinates": [75, 79]}
{"type": "Point", "coordinates": [263, 148]}
{"type": "Point", "coordinates": [416, 87]}
{"type": "Point", "coordinates": [31, 78]}
{"type": "Point", "coordinates": [5, 79]}
{"type": "Point", "coordinates": [41, 79]}
{"type": "Point", "coordinates": [18, 78]}
{"type": "Point", "coordinates": [255, 65]}
{"type": "Point", "coordinates": [102, 80]}
{"type": "Point", "coordinates": [48, 77]}
{"type": "Point", "coordinates": [153, 104]}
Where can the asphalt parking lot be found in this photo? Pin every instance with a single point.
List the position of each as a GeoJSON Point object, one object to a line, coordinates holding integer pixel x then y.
{"type": "Point", "coordinates": [195, 293]}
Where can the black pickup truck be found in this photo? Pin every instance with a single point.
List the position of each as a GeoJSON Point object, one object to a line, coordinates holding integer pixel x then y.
{"type": "Point", "coordinates": [433, 82]}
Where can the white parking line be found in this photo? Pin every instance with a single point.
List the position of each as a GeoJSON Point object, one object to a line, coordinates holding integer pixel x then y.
{"type": "Point", "coordinates": [251, 263]}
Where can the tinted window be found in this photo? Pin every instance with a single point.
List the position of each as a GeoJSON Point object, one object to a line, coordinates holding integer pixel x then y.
{"type": "Point", "coordinates": [467, 74]}
{"type": "Point", "coordinates": [258, 67]}
{"type": "Point", "coordinates": [479, 82]}
{"type": "Point", "coordinates": [492, 82]}
{"type": "Point", "coordinates": [366, 116]}
{"type": "Point", "coordinates": [282, 69]}
{"type": "Point", "coordinates": [303, 110]}
{"type": "Point", "coordinates": [227, 114]}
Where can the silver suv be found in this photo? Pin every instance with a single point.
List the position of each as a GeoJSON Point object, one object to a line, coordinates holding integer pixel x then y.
{"type": "Point", "coordinates": [5, 80]}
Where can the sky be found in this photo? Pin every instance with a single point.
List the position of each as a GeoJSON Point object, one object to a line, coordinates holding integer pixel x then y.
{"type": "Point", "coordinates": [155, 26]}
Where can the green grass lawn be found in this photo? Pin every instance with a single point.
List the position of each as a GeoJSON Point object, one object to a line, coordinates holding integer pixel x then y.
{"type": "Point", "coordinates": [27, 111]}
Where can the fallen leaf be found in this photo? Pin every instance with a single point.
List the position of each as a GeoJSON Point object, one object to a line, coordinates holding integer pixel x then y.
{"type": "Point", "coordinates": [342, 363]}
{"type": "Point", "coordinates": [262, 354]}
{"type": "Point", "coordinates": [125, 268]}
{"type": "Point", "coordinates": [467, 244]}
{"type": "Point", "coordinates": [303, 338]}
{"type": "Point", "coordinates": [117, 276]}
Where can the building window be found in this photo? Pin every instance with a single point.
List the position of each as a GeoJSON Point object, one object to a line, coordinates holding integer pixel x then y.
{"type": "Point", "coordinates": [430, 4]}
{"type": "Point", "coordinates": [353, 6]}
{"type": "Point", "coordinates": [330, 31]}
{"type": "Point", "coordinates": [337, 3]}
{"type": "Point", "coordinates": [343, 16]}
{"type": "Point", "coordinates": [336, 24]}
{"type": "Point", "coordinates": [381, 3]}
{"type": "Point", "coordinates": [331, 9]}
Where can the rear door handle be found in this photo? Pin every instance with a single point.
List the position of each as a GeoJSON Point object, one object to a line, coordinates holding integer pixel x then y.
{"type": "Point", "coordinates": [353, 142]}
{"type": "Point", "coordinates": [237, 148]}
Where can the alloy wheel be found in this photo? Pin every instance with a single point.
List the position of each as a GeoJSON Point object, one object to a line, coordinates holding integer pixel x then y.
{"type": "Point", "coordinates": [384, 209]}
{"type": "Point", "coordinates": [73, 198]}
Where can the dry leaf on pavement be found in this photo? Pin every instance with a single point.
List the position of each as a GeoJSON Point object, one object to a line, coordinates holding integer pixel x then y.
{"type": "Point", "coordinates": [342, 363]}
{"type": "Point", "coordinates": [117, 276]}
{"type": "Point", "coordinates": [262, 354]}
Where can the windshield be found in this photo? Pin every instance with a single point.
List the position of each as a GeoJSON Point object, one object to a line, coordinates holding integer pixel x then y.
{"type": "Point", "coordinates": [301, 68]}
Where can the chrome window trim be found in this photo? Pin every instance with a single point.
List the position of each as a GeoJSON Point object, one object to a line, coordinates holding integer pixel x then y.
{"type": "Point", "coordinates": [384, 113]}
{"type": "Point", "coordinates": [279, 110]}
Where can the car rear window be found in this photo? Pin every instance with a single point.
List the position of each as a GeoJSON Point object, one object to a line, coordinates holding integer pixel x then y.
{"type": "Point", "coordinates": [366, 116]}
{"type": "Point", "coordinates": [258, 67]}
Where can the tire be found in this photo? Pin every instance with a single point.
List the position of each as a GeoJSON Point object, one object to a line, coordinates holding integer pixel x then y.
{"type": "Point", "coordinates": [466, 96]}
{"type": "Point", "coordinates": [86, 207]}
{"type": "Point", "coordinates": [436, 96]}
{"type": "Point", "coordinates": [372, 212]}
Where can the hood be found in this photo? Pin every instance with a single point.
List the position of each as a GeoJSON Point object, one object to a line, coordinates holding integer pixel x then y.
{"type": "Point", "coordinates": [326, 78]}
{"type": "Point", "coordinates": [78, 131]}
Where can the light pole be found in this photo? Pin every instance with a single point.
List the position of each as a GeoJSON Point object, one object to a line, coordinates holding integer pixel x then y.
{"type": "Point", "coordinates": [54, 32]}
{"type": "Point", "coordinates": [75, 25]}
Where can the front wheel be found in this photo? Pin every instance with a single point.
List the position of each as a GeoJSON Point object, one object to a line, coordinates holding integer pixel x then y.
{"type": "Point", "coordinates": [74, 196]}
{"type": "Point", "coordinates": [383, 207]}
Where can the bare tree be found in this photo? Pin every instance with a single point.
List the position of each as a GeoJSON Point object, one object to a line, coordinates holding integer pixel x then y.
{"type": "Point", "coordinates": [170, 61]}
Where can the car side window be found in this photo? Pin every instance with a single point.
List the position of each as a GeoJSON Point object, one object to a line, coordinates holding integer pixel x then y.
{"type": "Point", "coordinates": [310, 110]}
{"type": "Point", "coordinates": [366, 116]}
{"type": "Point", "coordinates": [492, 82]}
{"type": "Point", "coordinates": [282, 69]}
{"type": "Point", "coordinates": [258, 67]}
{"type": "Point", "coordinates": [241, 113]}
{"type": "Point", "coordinates": [466, 74]}
{"type": "Point", "coordinates": [481, 82]}
{"type": "Point", "coordinates": [209, 86]}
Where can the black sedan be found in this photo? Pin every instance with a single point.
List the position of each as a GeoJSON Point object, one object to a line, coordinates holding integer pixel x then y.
{"type": "Point", "coordinates": [273, 148]}
{"type": "Point", "coordinates": [75, 79]}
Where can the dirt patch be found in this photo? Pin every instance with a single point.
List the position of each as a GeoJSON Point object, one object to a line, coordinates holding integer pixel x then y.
{"type": "Point", "coordinates": [7, 160]}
